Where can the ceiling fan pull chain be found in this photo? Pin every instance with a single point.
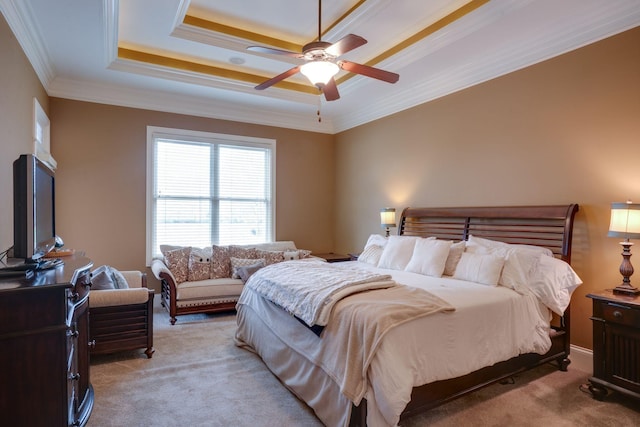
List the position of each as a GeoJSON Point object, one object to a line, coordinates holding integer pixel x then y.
{"type": "Point", "coordinates": [319, 19]}
{"type": "Point", "coordinates": [319, 105]}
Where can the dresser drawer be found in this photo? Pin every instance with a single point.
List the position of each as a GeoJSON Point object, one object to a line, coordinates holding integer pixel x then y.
{"type": "Point", "coordinates": [620, 314]}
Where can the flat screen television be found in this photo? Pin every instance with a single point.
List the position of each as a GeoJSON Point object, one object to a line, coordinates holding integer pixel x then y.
{"type": "Point", "coordinates": [34, 220]}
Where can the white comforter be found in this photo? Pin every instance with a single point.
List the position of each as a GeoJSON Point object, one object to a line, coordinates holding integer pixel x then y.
{"type": "Point", "coordinates": [489, 324]}
{"type": "Point", "coordinates": [309, 290]}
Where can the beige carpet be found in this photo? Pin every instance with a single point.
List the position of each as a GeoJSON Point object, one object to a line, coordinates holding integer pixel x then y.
{"type": "Point", "coordinates": [197, 377]}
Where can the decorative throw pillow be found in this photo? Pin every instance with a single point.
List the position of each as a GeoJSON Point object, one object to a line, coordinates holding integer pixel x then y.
{"type": "Point", "coordinates": [279, 246]}
{"type": "Point", "coordinates": [429, 257]}
{"type": "Point", "coordinates": [242, 252]}
{"type": "Point", "coordinates": [220, 262]}
{"type": "Point", "coordinates": [243, 262]}
{"type": "Point", "coordinates": [177, 261]}
{"type": "Point", "coordinates": [106, 277]}
{"type": "Point", "coordinates": [480, 268]}
{"type": "Point", "coordinates": [200, 264]}
{"type": "Point", "coordinates": [290, 255]}
{"type": "Point", "coordinates": [247, 271]}
{"type": "Point", "coordinates": [102, 279]}
{"type": "Point", "coordinates": [455, 252]}
{"type": "Point", "coordinates": [371, 255]}
{"type": "Point", "coordinates": [397, 252]}
{"type": "Point", "coordinates": [297, 254]}
{"type": "Point", "coordinates": [270, 257]}
{"type": "Point", "coordinates": [304, 253]}
{"type": "Point", "coordinates": [118, 279]}
{"type": "Point", "coordinates": [166, 248]}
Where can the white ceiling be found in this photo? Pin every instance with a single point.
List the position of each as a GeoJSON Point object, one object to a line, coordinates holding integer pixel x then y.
{"type": "Point", "coordinates": [79, 51]}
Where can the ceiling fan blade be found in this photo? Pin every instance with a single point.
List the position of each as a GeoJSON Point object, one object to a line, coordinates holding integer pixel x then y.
{"type": "Point", "coordinates": [345, 44]}
{"type": "Point", "coordinates": [273, 51]}
{"type": "Point", "coordinates": [365, 70]}
{"type": "Point", "coordinates": [278, 78]}
{"type": "Point", "coordinates": [330, 91]}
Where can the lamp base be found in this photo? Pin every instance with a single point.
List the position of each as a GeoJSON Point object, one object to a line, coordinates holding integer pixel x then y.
{"type": "Point", "coordinates": [626, 290]}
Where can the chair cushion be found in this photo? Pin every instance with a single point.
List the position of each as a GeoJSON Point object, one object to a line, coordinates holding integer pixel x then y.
{"type": "Point", "coordinates": [110, 297]}
{"type": "Point", "coordinates": [209, 288]}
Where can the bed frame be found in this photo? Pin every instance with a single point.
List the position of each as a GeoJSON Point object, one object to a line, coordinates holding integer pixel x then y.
{"type": "Point", "coordinates": [547, 226]}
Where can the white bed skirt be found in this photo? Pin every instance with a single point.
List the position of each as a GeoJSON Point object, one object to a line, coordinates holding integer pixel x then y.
{"type": "Point", "coordinates": [303, 378]}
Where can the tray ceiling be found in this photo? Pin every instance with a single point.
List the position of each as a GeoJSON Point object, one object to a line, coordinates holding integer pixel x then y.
{"type": "Point", "coordinates": [190, 56]}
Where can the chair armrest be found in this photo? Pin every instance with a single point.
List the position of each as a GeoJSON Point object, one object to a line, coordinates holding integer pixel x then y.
{"type": "Point", "coordinates": [161, 271]}
{"type": "Point", "coordinates": [135, 279]}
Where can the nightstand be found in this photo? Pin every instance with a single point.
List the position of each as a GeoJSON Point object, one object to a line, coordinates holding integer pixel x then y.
{"type": "Point", "coordinates": [616, 344]}
{"type": "Point", "coordinates": [331, 257]}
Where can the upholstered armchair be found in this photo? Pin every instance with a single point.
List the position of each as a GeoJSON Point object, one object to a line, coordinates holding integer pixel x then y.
{"type": "Point", "coordinates": [122, 319]}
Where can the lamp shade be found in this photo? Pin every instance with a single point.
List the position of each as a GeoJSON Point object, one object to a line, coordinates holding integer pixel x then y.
{"type": "Point", "coordinates": [319, 72]}
{"type": "Point", "coordinates": [625, 220]}
{"type": "Point", "coordinates": [388, 217]}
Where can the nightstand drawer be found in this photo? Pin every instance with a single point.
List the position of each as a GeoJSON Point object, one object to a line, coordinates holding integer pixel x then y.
{"type": "Point", "coordinates": [620, 314]}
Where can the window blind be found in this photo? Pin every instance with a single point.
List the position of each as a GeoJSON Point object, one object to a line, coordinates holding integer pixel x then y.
{"type": "Point", "coordinates": [209, 189]}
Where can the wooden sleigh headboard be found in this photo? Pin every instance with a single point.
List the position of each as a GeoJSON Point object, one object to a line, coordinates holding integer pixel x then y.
{"type": "Point", "coordinates": [547, 226]}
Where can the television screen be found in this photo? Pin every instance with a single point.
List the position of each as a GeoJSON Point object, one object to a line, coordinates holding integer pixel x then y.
{"type": "Point", "coordinates": [34, 208]}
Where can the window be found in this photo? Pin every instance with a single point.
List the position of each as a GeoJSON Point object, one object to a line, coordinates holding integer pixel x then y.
{"type": "Point", "coordinates": [205, 188]}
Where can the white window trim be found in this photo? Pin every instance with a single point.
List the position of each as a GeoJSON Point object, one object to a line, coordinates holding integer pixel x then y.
{"type": "Point", "coordinates": [154, 132]}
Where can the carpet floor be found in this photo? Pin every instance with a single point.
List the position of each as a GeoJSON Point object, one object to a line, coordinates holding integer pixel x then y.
{"type": "Point", "coordinates": [198, 377]}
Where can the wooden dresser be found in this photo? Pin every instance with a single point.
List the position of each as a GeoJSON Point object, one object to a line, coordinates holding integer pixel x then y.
{"type": "Point", "coordinates": [616, 344]}
{"type": "Point", "coordinates": [44, 337]}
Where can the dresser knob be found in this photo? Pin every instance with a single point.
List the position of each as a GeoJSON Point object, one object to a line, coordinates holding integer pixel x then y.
{"type": "Point", "coordinates": [74, 377]}
{"type": "Point", "coordinates": [92, 344]}
{"type": "Point", "coordinates": [617, 314]}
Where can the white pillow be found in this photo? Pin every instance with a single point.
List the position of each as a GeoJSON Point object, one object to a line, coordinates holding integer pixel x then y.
{"type": "Point", "coordinates": [397, 252]}
{"type": "Point", "coordinates": [553, 281]}
{"type": "Point", "coordinates": [377, 240]}
{"type": "Point", "coordinates": [474, 242]}
{"type": "Point", "coordinates": [481, 268]}
{"type": "Point", "coordinates": [429, 257]}
{"type": "Point", "coordinates": [519, 259]}
{"type": "Point", "coordinates": [455, 252]}
{"type": "Point", "coordinates": [371, 255]}
{"type": "Point", "coordinates": [517, 268]}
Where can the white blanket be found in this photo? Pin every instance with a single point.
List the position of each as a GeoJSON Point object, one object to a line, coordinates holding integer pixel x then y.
{"type": "Point", "coordinates": [309, 290]}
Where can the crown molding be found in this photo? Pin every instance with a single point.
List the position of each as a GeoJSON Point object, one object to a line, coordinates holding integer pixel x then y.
{"type": "Point", "coordinates": [110, 15]}
{"type": "Point", "coordinates": [20, 19]}
{"type": "Point", "coordinates": [186, 76]}
{"type": "Point", "coordinates": [305, 120]}
{"type": "Point", "coordinates": [600, 22]}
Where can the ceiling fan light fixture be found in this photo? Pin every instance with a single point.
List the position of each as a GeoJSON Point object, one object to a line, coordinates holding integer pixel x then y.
{"type": "Point", "coordinates": [319, 73]}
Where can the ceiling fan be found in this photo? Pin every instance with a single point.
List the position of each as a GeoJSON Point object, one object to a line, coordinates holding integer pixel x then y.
{"type": "Point", "coordinates": [322, 62]}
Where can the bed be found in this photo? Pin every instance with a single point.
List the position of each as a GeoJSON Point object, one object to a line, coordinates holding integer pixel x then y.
{"type": "Point", "coordinates": [406, 373]}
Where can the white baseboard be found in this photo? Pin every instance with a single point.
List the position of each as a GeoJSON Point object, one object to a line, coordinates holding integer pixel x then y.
{"type": "Point", "coordinates": [581, 359]}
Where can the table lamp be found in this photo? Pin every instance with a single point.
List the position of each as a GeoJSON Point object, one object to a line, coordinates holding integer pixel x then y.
{"type": "Point", "coordinates": [625, 223]}
{"type": "Point", "coordinates": [387, 218]}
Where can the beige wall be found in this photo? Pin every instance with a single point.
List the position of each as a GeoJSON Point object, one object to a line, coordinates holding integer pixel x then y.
{"type": "Point", "coordinates": [19, 84]}
{"type": "Point", "coordinates": [566, 130]}
{"type": "Point", "coordinates": [101, 178]}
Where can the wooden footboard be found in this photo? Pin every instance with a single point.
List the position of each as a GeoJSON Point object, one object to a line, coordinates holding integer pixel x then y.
{"type": "Point", "coordinates": [547, 226]}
